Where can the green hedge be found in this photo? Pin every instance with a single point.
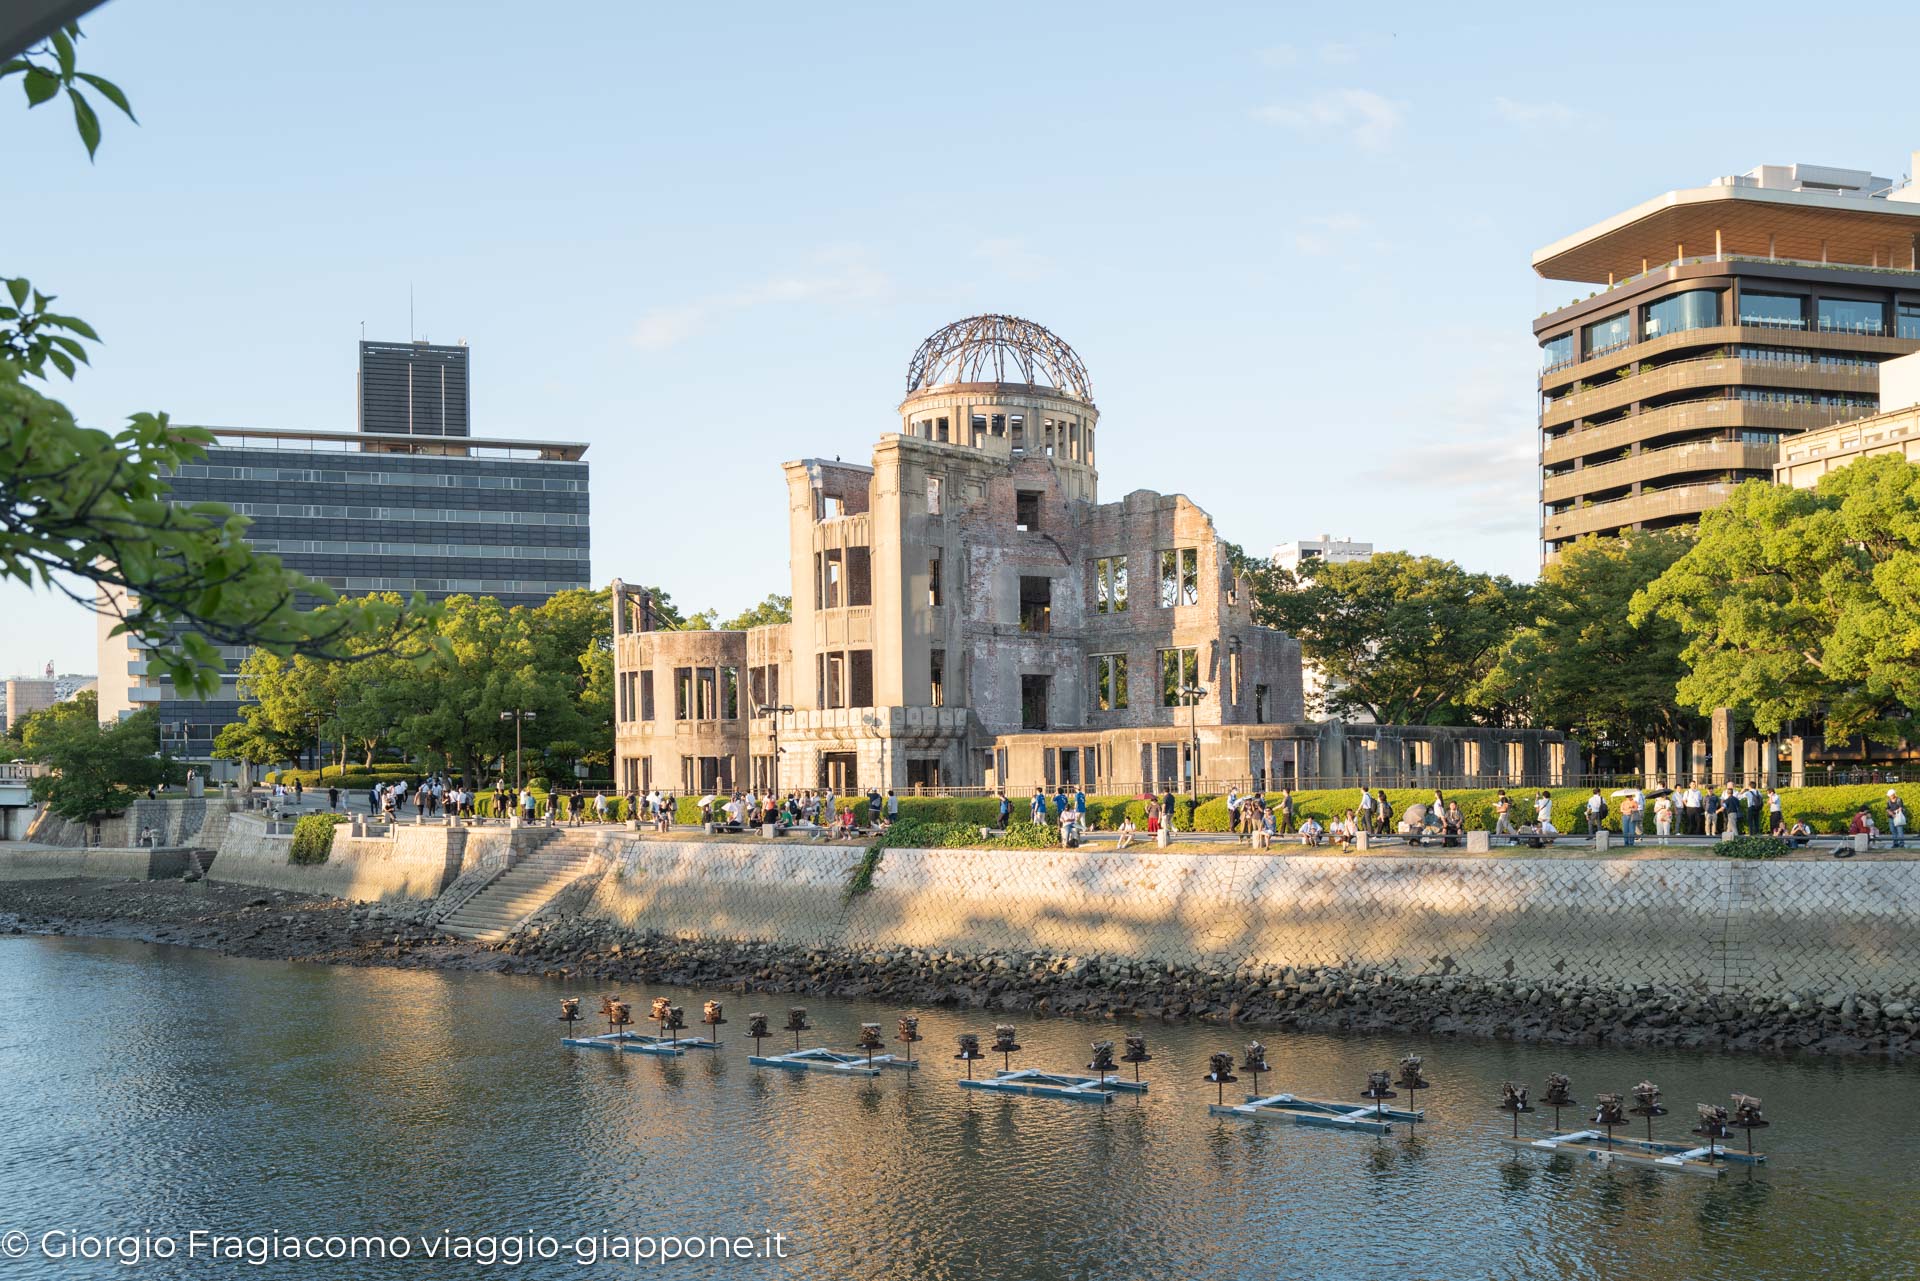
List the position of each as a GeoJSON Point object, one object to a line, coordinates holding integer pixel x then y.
{"type": "Point", "coordinates": [381, 772]}
{"type": "Point", "coordinates": [313, 837]}
{"type": "Point", "coordinates": [1751, 847]}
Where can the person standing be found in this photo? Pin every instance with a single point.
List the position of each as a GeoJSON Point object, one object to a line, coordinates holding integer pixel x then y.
{"type": "Point", "coordinates": [1080, 808]}
{"type": "Point", "coordinates": [1596, 812]}
{"type": "Point", "coordinates": [1166, 811]}
{"type": "Point", "coordinates": [1286, 811]}
{"type": "Point", "coordinates": [1897, 819]}
{"type": "Point", "coordinates": [1629, 818]}
{"type": "Point", "coordinates": [1382, 813]}
{"type": "Point", "coordinates": [1543, 810]}
{"type": "Point", "coordinates": [1006, 807]}
{"type": "Point", "coordinates": [1503, 815]}
{"type": "Point", "coordinates": [1663, 817]}
{"type": "Point", "coordinates": [1709, 812]}
{"type": "Point", "coordinates": [893, 809]}
{"type": "Point", "coordinates": [333, 797]}
{"type": "Point", "coordinates": [1690, 813]}
{"type": "Point", "coordinates": [1037, 809]}
{"type": "Point", "coordinates": [1365, 815]}
{"type": "Point", "coordinates": [1233, 809]}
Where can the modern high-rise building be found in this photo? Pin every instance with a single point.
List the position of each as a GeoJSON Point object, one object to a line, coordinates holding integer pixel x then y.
{"type": "Point", "coordinates": [365, 511]}
{"type": "Point", "coordinates": [22, 696]}
{"type": "Point", "coordinates": [414, 389]}
{"type": "Point", "coordinates": [1724, 318]}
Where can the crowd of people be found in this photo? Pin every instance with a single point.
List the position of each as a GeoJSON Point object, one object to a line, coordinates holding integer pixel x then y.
{"type": "Point", "coordinates": [1691, 810]}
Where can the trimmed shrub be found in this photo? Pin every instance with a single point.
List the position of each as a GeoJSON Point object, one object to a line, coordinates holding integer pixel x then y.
{"type": "Point", "coordinates": [1751, 847]}
{"type": "Point", "coordinates": [313, 837]}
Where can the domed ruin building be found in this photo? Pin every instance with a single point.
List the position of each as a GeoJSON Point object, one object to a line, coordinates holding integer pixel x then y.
{"type": "Point", "coordinates": [967, 613]}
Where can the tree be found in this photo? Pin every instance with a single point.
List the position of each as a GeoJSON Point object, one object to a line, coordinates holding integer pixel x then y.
{"type": "Point", "coordinates": [1577, 664]}
{"type": "Point", "coordinates": [1797, 601]}
{"type": "Point", "coordinates": [774, 609]}
{"type": "Point", "coordinates": [80, 504]}
{"type": "Point", "coordinates": [95, 769]}
{"type": "Point", "coordinates": [1403, 638]}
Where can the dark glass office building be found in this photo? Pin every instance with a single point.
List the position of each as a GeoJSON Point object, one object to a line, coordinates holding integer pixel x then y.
{"type": "Point", "coordinates": [413, 389]}
{"type": "Point", "coordinates": [380, 511]}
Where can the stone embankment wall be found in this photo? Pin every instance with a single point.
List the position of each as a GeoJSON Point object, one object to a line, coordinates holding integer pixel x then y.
{"type": "Point", "coordinates": [411, 863]}
{"type": "Point", "coordinates": [1704, 924]}
{"type": "Point", "coordinates": [179, 820]}
{"type": "Point", "coordinates": [103, 864]}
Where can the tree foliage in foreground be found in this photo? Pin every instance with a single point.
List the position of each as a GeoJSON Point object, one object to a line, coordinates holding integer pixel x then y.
{"type": "Point", "coordinates": [1404, 637]}
{"type": "Point", "coordinates": [1577, 663]}
{"type": "Point", "coordinates": [89, 513]}
{"type": "Point", "coordinates": [95, 769]}
{"type": "Point", "coordinates": [1797, 601]}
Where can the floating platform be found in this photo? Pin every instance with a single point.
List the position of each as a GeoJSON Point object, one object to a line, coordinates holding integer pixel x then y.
{"type": "Point", "coordinates": [821, 1059]}
{"type": "Point", "coordinates": [633, 1043]}
{"type": "Point", "coordinates": [1055, 1085]}
{"type": "Point", "coordinates": [1363, 1117]}
{"type": "Point", "coordinates": [1641, 1154]}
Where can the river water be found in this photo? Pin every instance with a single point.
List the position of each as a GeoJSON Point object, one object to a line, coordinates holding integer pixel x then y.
{"type": "Point", "coordinates": [160, 1091]}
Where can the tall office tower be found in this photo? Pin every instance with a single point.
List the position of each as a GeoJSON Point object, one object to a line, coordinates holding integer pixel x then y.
{"type": "Point", "coordinates": [413, 389]}
{"type": "Point", "coordinates": [1723, 319]}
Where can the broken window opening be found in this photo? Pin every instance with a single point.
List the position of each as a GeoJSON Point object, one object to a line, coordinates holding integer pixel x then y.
{"type": "Point", "coordinates": [933, 495]}
{"type": "Point", "coordinates": [1036, 603]}
{"type": "Point", "coordinates": [682, 693]}
{"type": "Point", "coordinates": [1033, 702]}
{"type": "Point", "coordinates": [1110, 682]}
{"type": "Point", "coordinates": [935, 593]}
{"type": "Point", "coordinates": [859, 576]}
{"type": "Point", "coordinates": [937, 677]}
{"type": "Point", "coordinates": [1026, 509]}
{"type": "Point", "coordinates": [1179, 670]}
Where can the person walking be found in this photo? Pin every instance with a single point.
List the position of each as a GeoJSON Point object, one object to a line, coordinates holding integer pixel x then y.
{"type": "Point", "coordinates": [1080, 807]}
{"type": "Point", "coordinates": [1776, 815]}
{"type": "Point", "coordinates": [1286, 811]}
{"type": "Point", "coordinates": [1365, 814]}
{"type": "Point", "coordinates": [1542, 810]}
{"type": "Point", "coordinates": [1233, 809]}
{"type": "Point", "coordinates": [1709, 812]}
{"type": "Point", "coordinates": [1037, 808]}
{"type": "Point", "coordinates": [1006, 807]}
{"type": "Point", "coordinates": [893, 808]}
{"type": "Point", "coordinates": [1690, 812]}
{"type": "Point", "coordinates": [1382, 813]}
{"type": "Point", "coordinates": [1503, 816]}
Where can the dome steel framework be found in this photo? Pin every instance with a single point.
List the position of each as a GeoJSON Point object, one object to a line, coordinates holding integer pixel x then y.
{"type": "Point", "coordinates": [990, 348]}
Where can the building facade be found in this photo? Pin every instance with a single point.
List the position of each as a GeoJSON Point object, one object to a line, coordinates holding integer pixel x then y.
{"type": "Point", "coordinates": [369, 511]}
{"type": "Point", "coordinates": [414, 389]}
{"type": "Point", "coordinates": [25, 695]}
{"type": "Point", "coordinates": [1895, 430]}
{"type": "Point", "coordinates": [967, 613]}
{"type": "Point", "coordinates": [1726, 320]}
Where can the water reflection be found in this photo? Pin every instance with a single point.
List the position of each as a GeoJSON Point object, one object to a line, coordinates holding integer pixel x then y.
{"type": "Point", "coordinates": [190, 1090]}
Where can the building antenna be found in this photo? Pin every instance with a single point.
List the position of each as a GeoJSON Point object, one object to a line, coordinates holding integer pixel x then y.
{"type": "Point", "coordinates": [363, 331]}
{"type": "Point", "coordinates": [409, 311]}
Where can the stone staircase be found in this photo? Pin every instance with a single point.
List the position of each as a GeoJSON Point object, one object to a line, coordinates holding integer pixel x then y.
{"type": "Point", "coordinates": [526, 887]}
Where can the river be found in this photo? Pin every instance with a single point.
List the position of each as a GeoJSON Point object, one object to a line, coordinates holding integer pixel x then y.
{"type": "Point", "coordinates": [152, 1092]}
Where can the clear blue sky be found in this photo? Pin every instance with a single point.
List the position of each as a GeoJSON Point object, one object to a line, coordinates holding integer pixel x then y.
{"type": "Point", "coordinates": [1290, 242]}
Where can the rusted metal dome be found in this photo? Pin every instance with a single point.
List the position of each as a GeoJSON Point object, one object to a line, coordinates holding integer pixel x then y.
{"type": "Point", "coordinates": [998, 349]}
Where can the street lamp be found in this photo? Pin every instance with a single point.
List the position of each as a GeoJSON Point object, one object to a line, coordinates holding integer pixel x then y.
{"type": "Point", "coordinates": [517, 716]}
{"type": "Point", "coordinates": [1193, 694]}
{"type": "Point", "coordinates": [774, 710]}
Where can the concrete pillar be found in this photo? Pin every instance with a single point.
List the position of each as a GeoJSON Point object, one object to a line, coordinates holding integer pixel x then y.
{"type": "Point", "coordinates": [1726, 732]}
{"type": "Point", "coordinates": [1674, 778]}
{"type": "Point", "coordinates": [1650, 754]}
{"type": "Point", "coordinates": [1750, 762]}
{"type": "Point", "coordinates": [1796, 762]}
{"type": "Point", "coordinates": [1697, 762]}
{"type": "Point", "coordinates": [1769, 762]}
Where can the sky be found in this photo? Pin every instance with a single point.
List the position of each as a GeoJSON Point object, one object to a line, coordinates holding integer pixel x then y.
{"type": "Point", "coordinates": [1289, 242]}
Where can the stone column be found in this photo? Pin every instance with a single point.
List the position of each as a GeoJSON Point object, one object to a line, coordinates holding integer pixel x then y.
{"type": "Point", "coordinates": [1750, 762]}
{"type": "Point", "coordinates": [1769, 762]}
{"type": "Point", "coordinates": [1673, 763]}
{"type": "Point", "coordinates": [1697, 762]}
{"type": "Point", "coordinates": [1725, 731]}
{"type": "Point", "coordinates": [1796, 762]}
{"type": "Point", "coordinates": [1650, 754]}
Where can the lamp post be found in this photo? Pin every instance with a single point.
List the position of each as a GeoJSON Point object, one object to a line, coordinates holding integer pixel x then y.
{"type": "Point", "coordinates": [517, 716]}
{"type": "Point", "coordinates": [1193, 694]}
{"type": "Point", "coordinates": [774, 710]}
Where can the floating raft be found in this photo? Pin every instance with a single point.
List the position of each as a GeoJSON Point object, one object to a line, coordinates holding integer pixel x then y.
{"type": "Point", "coordinates": [634, 1043]}
{"type": "Point", "coordinates": [1641, 1154]}
{"type": "Point", "coordinates": [1055, 1085]}
{"type": "Point", "coordinates": [820, 1059]}
{"type": "Point", "coordinates": [1363, 1117]}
